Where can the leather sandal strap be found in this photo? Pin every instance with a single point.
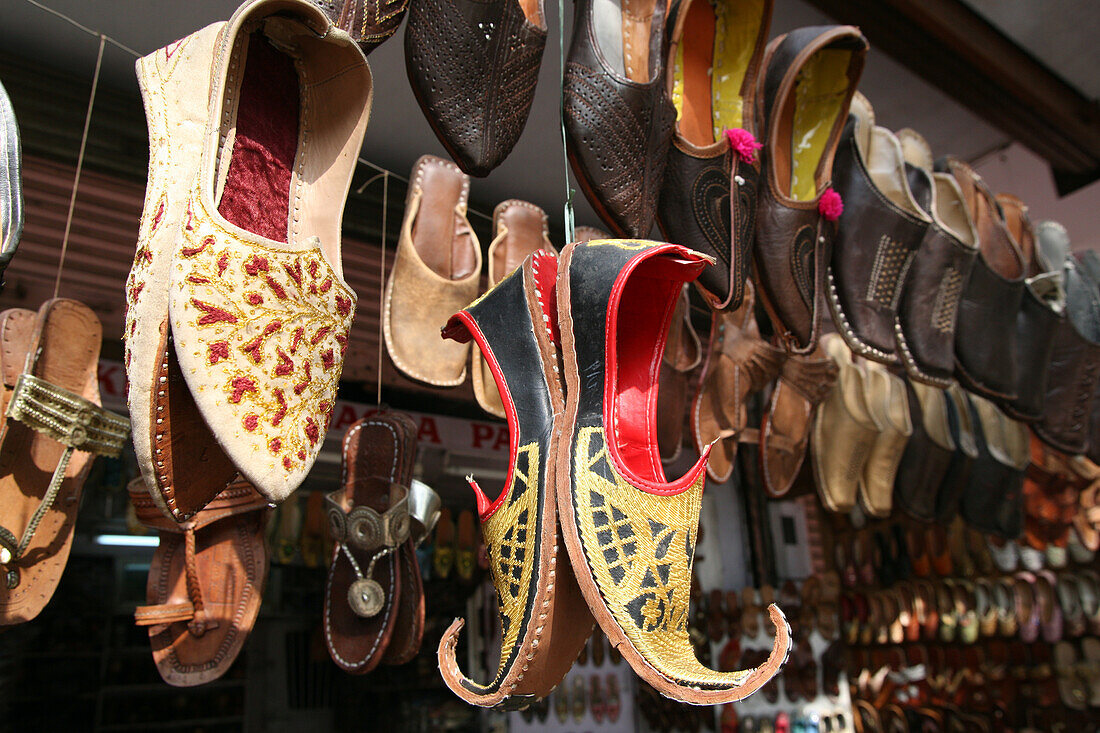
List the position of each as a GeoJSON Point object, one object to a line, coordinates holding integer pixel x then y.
{"type": "Point", "coordinates": [237, 498]}
{"type": "Point", "coordinates": [366, 529]}
{"type": "Point", "coordinates": [163, 613]}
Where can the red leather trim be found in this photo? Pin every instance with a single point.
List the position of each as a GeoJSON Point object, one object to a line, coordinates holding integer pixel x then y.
{"type": "Point", "coordinates": [638, 366]}
{"type": "Point", "coordinates": [545, 266]}
{"type": "Point", "coordinates": [509, 407]}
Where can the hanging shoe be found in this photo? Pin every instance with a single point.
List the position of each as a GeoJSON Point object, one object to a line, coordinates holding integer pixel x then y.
{"type": "Point", "coordinates": [443, 556]}
{"type": "Point", "coordinates": [237, 315]}
{"type": "Point", "coordinates": [811, 75]}
{"type": "Point", "coordinates": [844, 431]}
{"type": "Point", "coordinates": [369, 22]}
{"type": "Point", "coordinates": [618, 118]}
{"type": "Point", "coordinates": [880, 229]}
{"type": "Point", "coordinates": [708, 196]}
{"type": "Point", "coordinates": [520, 228]}
{"type": "Point", "coordinates": [928, 452]}
{"type": "Point", "coordinates": [473, 67]}
{"type": "Point", "coordinates": [957, 477]}
{"type": "Point", "coordinates": [543, 616]}
{"type": "Point", "coordinates": [11, 184]}
{"type": "Point", "coordinates": [436, 272]}
{"type": "Point", "coordinates": [927, 311]}
{"type": "Point", "coordinates": [51, 428]}
{"type": "Point", "coordinates": [206, 582]}
{"type": "Point", "coordinates": [993, 501]}
{"type": "Point", "coordinates": [991, 296]}
{"type": "Point", "coordinates": [631, 534]}
{"type": "Point", "coordinates": [682, 355]}
{"type": "Point", "coordinates": [804, 382]}
{"type": "Point", "coordinates": [738, 364]}
{"type": "Point", "coordinates": [889, 407]}
{"type": "Point", "coordinates": [587, 234]}
{"type": "Point", "coordinates": [465, 546]}
{"type": "Point", "coordinates": [368, 518]}
{"type": "Point", "coordinates": [408, 631]}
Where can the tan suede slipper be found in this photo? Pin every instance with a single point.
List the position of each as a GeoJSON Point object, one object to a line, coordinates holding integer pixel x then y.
{"type": "Point", "coordinates": [435, 274]}
{"type": "Point", "coordinates": [889, 407]}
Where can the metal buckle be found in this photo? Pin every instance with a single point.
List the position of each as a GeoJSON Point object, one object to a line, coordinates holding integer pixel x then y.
{"type": "Point", "coordinates": [366, 529]}
{"type": "Point", "coordinates": [424, 506]}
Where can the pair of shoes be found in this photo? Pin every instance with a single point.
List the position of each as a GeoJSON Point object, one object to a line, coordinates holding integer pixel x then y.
{"type": "Point", "coordinates": [860, 433]}
{"type": "Point", "coordinates": [584, 462]}
{"type": "Point", "coordinates": [237, 314]}
{"type": "Point", "coordinates": [374, 596]}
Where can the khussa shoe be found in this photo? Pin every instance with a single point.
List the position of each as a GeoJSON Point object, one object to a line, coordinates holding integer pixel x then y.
{"type": "Point", "coordinates": [51, 427]}
{"type": "Point", "coordinates": [985, 335]}
{"type": "Point", "coordinates": [927, 311]}
{"type": "Point", "coordinates": [964, 436]}
{"type": "Point", "coordinates": [1040, 316]}
{"type": "Point", "coordinates": [11, 184]}
{"type": "Point", "coordinates": [368, 519]}
{"type": "Point", "coordinates": [708, 195]}
{"type": "Point", "coordinates": [844, 430]}
{"type": "Point", "coordinates": [682, 355]}
{"type": "Point", "coordinates": [1075, 357]}
{"type": "Point", "coordinates": [544, 620]}
{"type": "Point", "coordinates": [889, 406]}
{"type": "Point", "coordinates": [993, 501]}
{"type": "Point", "coordinates": [368, 22]}
{"type": "Point", "coordinates": [928, 452]}
{"type": "Point", "coordinates": [206, 582]}
{"type": "Point", "coordinates": [882, 225]}
{"type": "Point", "coordinates": [473, 67]}
{"type": "Point", "coordinates": [738, 364]}
{"type": "Point", "coordinates": [618, 118]}
{"type": "Point", "coordinates": [520, 228]}
{"type": "Point", "coordinates": [811, 76]}
{"type": "Point", "coordinates": [435, 273]}
{"type": "Point", "coordinates": [631, 534]}
{"type": "Point", "coordinates": [804, 382]}
{"type": "Point", "coordinates": [235, 350]}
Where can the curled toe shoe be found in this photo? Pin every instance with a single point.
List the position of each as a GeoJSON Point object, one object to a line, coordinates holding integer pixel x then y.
{"type": "Point", "coordinates": [544, 619]}
{"type": "Point", "coordinates": [629, 532]}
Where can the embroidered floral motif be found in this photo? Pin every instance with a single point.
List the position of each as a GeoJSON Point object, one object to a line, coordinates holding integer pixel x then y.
{"type": "Point", "coordinates": [267, 330]}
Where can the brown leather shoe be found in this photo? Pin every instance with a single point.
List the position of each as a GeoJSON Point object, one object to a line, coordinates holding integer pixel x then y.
{"type": "Point", "coordinates": [587, 234]}
{"type": "Point", "coordinates": [927, 455]}
{"type": "Point", "coordinates": [880, 228]}
{"type": "Point", "coordinates": [683, 353]}
{"type": "Point", "coordinates": [368, 22]}
{"type": "Point", "coordinates": [618, 118]}
{"type": "Point", "coordinates": [805, 93]}
{"type": "Point", "coordinates": [993, 501]}
{"type": "Point", "coordinates": [206, 582]}
{"type": "Point", "coordinates": [803, 383]}
{"type": "Point", "coordinates": [739, 363]}
{"type": "Point", "coordinates": [929, 303]}
{"type": "Point", "coordinates": [435, 273]}
{"type": "Point", "coordinates": [844, 430]}
{"type": "Point", "coordinates": [708, 196]}
{"type": "Point", "coordinates": [1040, 316]}
{"type": "Point", "coordinates": [520, 228]}
{"type": "Point", "coordinates": [473, 67]}
{"type": "Point", "coordinates": [985, 337]}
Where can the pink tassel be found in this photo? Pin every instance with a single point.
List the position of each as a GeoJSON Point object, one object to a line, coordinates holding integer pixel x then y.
{"type": "Point", "coordinates": [743, 143]}
{"type": "Point", "coordinates": [831, 206]}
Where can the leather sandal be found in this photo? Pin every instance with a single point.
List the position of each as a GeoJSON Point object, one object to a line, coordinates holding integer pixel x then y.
{"type": "Point", "coordinates": [879, 230]}
{"type": "Point", "coordinates": [520, 228]}
{"type": "Point", "coordinates": [248, 361]}
{"type": "Point", "coordinates": [630, 533]}
{"type": "Point", "coordinates": [804, 381]}
{"type": "Point", "coordinates": [844, 430]}
{"type": "Point", "coordinates": [436, 272]}
{"type": "Point", "coordinates": [683, 353]}
{"type": "Point", "coordinates": [709, 191]}
{"type": "Point", "coordinates": [544, 619]}
{"type": "Point", "coordinates": [206, 582]}
{"type": "Point", "coordinates": [11, 184]}
{"type": "Point", "coordinates": [369, 521]}
{"type": "Point", "coordinates": [738, 364]}
{"type": "Point", "coordinates": [51, 428]}
{"type": "Point", "coordinates": [408, 632]}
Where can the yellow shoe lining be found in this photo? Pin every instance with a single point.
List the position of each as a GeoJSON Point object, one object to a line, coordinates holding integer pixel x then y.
{"type": "Point", "coordinates": [820, 90]}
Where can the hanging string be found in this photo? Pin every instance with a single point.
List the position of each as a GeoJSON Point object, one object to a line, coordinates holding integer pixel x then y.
{"type": "Point", "coordinates": [382, 279]}
{"type": "Point", "coordinates": [85, 28]}
{"type": "Point", "coordinates": [568, 212]}
{"type": "Point", "coordinates": [79, 165]}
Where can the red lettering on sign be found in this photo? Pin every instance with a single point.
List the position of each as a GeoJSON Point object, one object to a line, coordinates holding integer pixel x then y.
{"type": "Point", "coordinates": [429, 431]}
{"type": "Point", "coordinates": [346, 417]}
{"type": "Point", "coordinates": [482, 433]}
{"type": "Point", "coordinates": [106, 376]}
{"type": "Point", "coordinates": [502, 439]}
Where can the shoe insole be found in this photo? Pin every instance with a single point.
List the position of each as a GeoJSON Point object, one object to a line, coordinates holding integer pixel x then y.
{"type": "Point", "coordinates": [623, 31]}
{"type": "Point", "coordinates": [820, 91]}
{"type": "Point", "coordinates": [256, 193]}
{"type": "Point", "coordinates": [440, 231]}
{"type": "Point", "coordinates": [712, 59]}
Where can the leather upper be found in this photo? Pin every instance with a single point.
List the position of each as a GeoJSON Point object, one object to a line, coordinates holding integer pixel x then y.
{"type": "Point", "coordinates": [368, 22]}
{"type": "Point", "coordinates": [927, 455]}
{"type": "Point", "coordinates": [11, 184]}
{"type": "Point", "coordinates": [473, 67]}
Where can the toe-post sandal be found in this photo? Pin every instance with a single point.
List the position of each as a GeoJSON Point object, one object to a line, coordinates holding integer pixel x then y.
{"type": "Point", "coordinates": [237, 309]}
{"type": "Point", "coordinates": [51, 427]}
{"type": "Point", "coordinates": [206, 582]}
{"type": "Point", "coordinates": [629, 532]}
{"type": "Point", "coordinates": [369, 521]}
{"type": "Point", "coordinates": [544, 618]}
